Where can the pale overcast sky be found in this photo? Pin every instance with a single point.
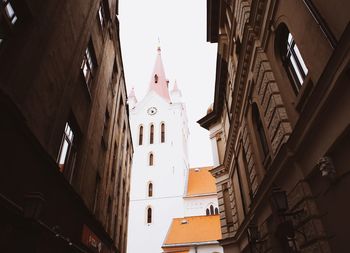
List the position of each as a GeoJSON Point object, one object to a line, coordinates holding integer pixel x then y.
{"type": "Point", "coordinates": [181, 27]}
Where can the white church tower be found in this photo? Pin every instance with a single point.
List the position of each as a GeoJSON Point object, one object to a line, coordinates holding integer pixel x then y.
{"type": "Point", "coordinates": [160, 162]}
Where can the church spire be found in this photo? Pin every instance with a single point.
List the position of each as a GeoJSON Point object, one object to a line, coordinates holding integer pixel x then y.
{"type": "Point", "coordinates": [158, 82]}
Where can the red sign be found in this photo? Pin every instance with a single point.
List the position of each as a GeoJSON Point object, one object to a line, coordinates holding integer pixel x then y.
{"type": "Point", "coordinates": [93, 242]}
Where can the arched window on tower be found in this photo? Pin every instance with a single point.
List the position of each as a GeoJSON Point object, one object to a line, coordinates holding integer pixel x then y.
{"type": "Point", "coordinates": [151, 134]}
{"type": "Point", "coordinates": [140, 135]}
{"type": "Point", "coordinates": [216, 210]}
{"type": "Point", "coordinates": [162, 133]}
{"type": "Point", "coordinates": [149, 215]}
{"type": "Point", "coordinates": [150, 190]}
{"type": "Point", "coordinates": [207, 211]}
{"type": "Point", "coordinates": [260, 130]}
{"type": "Point", "coordinates": [211, 210]}
{"type": "Point", "coordinates": [150, 159]}
{"type": "Point", "coordinates": [156, 78]}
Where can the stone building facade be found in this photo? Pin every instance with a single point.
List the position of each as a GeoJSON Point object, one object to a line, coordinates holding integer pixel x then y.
{"type": "Point", "coordinates": [279, 123]}
{"type": "Point", "coordinates": [66, 143]}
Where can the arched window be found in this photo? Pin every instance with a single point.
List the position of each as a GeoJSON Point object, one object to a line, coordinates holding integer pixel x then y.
{"type": "Point", "coordinates": [291, 57]}
{"type": "Point", "coordinates": [140, 135]}
{"type": "Point", "coordinates": [156, 78]}
{"type": "Point", "coordinates": [216, 210]}
{"type": "Point", "coordinates": [149, 215]}
{"type": "Point", "coordinates": [260, 130]}
{"type": "Point", "coordinates": [211, 210]}
{"type": "Point", "coordinates": [207, 211]}
{"type": "Point", "coordinates": [162, 133]}
{"type": "Point", "coordinates": [150, 190]}
{"type": "Point", "coordinates": [150, 159]}
{"type": "Point", "coordinates": [151, 134]}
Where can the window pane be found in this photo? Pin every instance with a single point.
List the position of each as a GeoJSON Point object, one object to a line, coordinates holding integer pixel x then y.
{"type": "Point", "coordinates": [9, 11]}
{"type": "Point", "coordinates": [296, 69]}
{"type": "Point", "coordinates": [63, 152]}
{"type": "Point", "coordinates": [300, 59]}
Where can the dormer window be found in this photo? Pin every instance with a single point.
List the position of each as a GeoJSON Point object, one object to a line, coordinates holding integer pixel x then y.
{"type": "Point", "coordinates": [156, 78]}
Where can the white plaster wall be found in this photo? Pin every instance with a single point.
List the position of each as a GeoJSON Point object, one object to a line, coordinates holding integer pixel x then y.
{"type": "Point", "coordinates": [168, 174]}
{"type": "Point", "coordinates": [195, 206]}
{"type": "Point", "coordinates": [213, 130]}
{"type": "Point", "coordinates": [216, 248]}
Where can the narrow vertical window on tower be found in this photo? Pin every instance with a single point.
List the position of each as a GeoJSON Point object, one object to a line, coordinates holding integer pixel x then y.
{"type": "Point", "coordinates": [140, 135]}
{"type": "Point", "coordinates": [211, 209]}
{"type": "Point", "coordinates": [150, 190]}
{"type": "Point", "coordinates": [150, 159]}
{"type": "Point", "coordinates": [155, 78]}
{"type": "Point", "coordinates": [149, 215]}
{"type": "Point", "coordinates": [162, 133]}
{"type": "Point", "coordinates": [151, 134]}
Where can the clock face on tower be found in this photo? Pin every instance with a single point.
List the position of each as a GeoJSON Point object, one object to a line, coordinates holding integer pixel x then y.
{"type": "Point", "coordinates": [152, 110]}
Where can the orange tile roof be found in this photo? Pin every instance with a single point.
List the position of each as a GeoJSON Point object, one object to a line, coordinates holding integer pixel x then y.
{"type": "Point", "coordinates": [194, 229]}
{"type": "Point", "coordinates": [200, 181]}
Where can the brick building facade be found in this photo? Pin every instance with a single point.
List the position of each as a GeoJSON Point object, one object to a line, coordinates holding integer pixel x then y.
{"type": "Point", "coordinates": [280, 123]}
{"type": "Point", "coordinates": [66, 144]}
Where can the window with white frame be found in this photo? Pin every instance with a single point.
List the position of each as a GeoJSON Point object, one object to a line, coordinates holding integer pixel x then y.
{"type": "Point", "coordinates": [291, 56]}
{"type": "Point", "coordinates": [88, 65]}
{"type": "Point", "coordinates": [68, 152]}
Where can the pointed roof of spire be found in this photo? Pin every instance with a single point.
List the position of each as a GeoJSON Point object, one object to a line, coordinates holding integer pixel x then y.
{"type": "Point", "coordinates": [175, 88]}
{"type": "Point", "coordinates": [132, 93]}
{"type": "Point", "coordinates": [158, 82]}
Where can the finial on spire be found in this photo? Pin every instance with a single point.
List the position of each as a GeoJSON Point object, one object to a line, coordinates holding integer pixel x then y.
{"type": "Point", "coordinates": [158, 47]}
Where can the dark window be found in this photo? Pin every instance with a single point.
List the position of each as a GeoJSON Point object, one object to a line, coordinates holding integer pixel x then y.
{"type": "Point", "coordinates": [260, 130]}
{"type": "Point", "coordinates": [156, 78]}
{"type": "Point", "coordinates": [115, 225]}
{"type": "Point", "coordinates": [141, 135]}
{"type": "Point", "coordinates": [88, 65]}
{"type": "Point", "coordinates": [207, 211]}
{"type": "Point", "coordinates": [227, 205]}
{"type": "Point", "coordinates": [162, 133]}
{"type": "Point", "coordinates": [211, 210]}
{"type": "Point", "coordinates": [113, 169]}
{"type": "Point", "coordinates": [8, 19]}
{"type": "Point", "coordinates": [97, 191]}
{"type": "Point", "coordinates": [151, 134]}
{"type": "Point", "coordinates": [149, 215]}
{"type": "Point", "coordinates": [109, 210]}
{"type": "Point", "coordinates": [150, 190]}
{"type": "Point", "coordinates": [291, 57]}
{"type": "Point", "coordinates": [68, 152]}
{"type": "Point", "coordinates": [101, 14]}
{"type": "Point", "coordinates": [150, 162]}
{"type": "Point", "coordinates": [105, 130]}
{"type": "Point", "coordinates": [216, 210]}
